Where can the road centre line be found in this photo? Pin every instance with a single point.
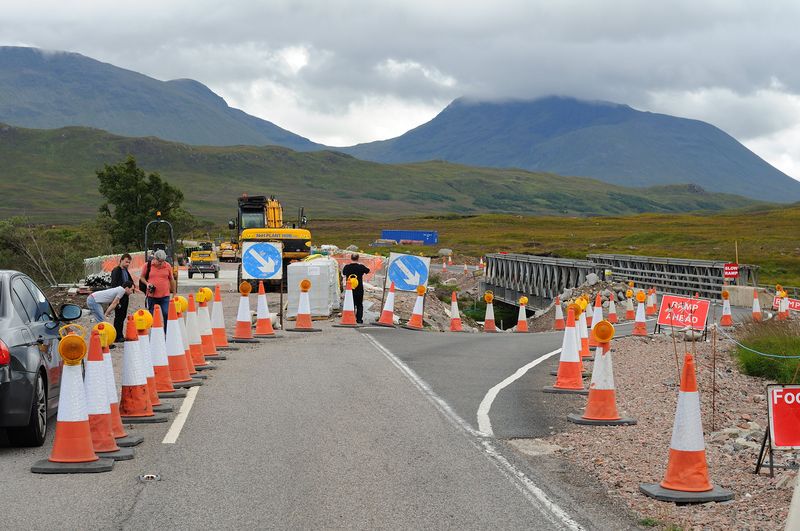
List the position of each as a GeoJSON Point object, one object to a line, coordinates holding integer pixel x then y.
{"type": "Point", "coordinates": [177, 424]}
{"type": "Point", "coordinates": [484, 423]}
{"type": "Point", "coordinates": [516, 477]}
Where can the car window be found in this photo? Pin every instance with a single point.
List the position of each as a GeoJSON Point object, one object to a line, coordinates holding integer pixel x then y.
{"type": "Point", "coordinates": [26, 299]}
{"type": "Point", "coordinates": [19, 308]}
{"type": "Point", "coordinates": [44, 312]}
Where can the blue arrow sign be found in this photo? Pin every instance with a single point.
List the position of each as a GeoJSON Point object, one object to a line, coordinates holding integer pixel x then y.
{"type": "Point", "coordinates": [262, 260]}
{"type": "Point", "coordinates": [408, 271]}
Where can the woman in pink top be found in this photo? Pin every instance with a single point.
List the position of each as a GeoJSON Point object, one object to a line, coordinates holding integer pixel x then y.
{"type": "Point", "coordinates": [159, 283]}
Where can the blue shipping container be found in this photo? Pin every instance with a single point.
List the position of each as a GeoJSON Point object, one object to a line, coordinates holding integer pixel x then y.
{"type": "Point", "coordinates": [428, 237]}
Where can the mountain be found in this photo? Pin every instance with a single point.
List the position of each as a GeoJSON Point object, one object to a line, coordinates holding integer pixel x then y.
{"type": "Point", "coordinates": [55, 89]}
{"type": "Point", "coordinates": [49, 176]}
{"type": "Point", "coordinates": [606, 141]}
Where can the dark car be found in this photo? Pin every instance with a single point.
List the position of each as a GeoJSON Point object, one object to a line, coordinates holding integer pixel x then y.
{"type": "Point", "coordinates": [30, 366]}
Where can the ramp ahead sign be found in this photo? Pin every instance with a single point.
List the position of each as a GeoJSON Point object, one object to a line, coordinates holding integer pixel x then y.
{"type": "Point", "coordinates": [407, 271]}
{"type": "Point", "coordinates": [683, 312]}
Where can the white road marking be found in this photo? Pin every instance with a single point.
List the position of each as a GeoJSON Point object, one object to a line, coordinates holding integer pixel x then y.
{"type": "Point", "coordinates": [484, 424]}
{"type": "Point", "coordinates": [523, 483]}
{"type": "Point", "coordinates": [177, 425]}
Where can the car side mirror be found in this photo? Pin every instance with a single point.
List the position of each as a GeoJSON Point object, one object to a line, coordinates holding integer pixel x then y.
{"type": "Point", "coordinates": [231, 224]}
{"type": "Point", "coordinates": [69, 312]}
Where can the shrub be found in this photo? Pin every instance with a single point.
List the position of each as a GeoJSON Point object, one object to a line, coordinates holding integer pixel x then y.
{"type": "Point", "coordinates": [771, 337]}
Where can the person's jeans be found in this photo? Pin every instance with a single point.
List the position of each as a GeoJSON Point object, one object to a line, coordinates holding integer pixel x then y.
{"type": "Point", "coordinates": [96, 308]}
{"type": "Point", "coordinates": [358, 302]}
{"type": "Point", "coordinates": [161, 301]}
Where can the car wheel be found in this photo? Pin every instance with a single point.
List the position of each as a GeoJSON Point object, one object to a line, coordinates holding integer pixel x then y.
{"type": "Point", "coordinates": [34, 433]}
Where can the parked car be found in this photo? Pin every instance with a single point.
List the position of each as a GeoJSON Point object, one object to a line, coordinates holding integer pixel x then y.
{"type": "Point", "coordinates": [30, 366]}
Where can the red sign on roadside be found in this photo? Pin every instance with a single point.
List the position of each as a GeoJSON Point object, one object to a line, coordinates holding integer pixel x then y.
{"type": "Point", "coordinates": [730, 271]}
{"type": "Point", "coordinates": [794, 304]}
{"type": "Point", "coordinates": [683, 311]}
{"type": "Point", "coordinates": [784, 415]}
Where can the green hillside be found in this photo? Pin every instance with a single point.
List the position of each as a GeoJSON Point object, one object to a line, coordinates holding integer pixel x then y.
{"type": "Point", "coordinates": [49, 175]}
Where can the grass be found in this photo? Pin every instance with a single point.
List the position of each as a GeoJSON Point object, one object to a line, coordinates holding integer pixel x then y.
{"type": "Point", "coordinates": [771, 337]}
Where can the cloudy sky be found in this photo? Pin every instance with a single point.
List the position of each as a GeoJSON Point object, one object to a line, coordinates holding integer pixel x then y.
{"type": "Point", "coordinates": [346, 71]}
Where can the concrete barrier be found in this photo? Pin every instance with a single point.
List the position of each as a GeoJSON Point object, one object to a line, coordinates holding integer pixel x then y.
{"type": "Point", "coordinates": [742, 296]}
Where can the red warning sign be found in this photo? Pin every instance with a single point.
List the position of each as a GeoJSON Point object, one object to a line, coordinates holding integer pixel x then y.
{"type": "Point", "coordinates": [683, 311]}
{"type": "Point", "coordinates": [794, 304]}
{"type": "Point", "coordinates": [784, 415]}
{"type": "Point", "coordinates": [731, 270]}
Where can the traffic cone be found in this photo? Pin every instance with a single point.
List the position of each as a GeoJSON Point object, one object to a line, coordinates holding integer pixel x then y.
{"type": "Point", "coordinates": [651, 302]}
{"type": "Point", "coordinates": [176, 356]}
{"type": "Point", "coordinates": [481, 264]}
{"type": "Point", "coordinates": [466, 270]}
{"type": "Point", "coordinates": [303, 320]}
{"type": "Point", "coordinates": [218, 321]}
{"type": "Point", "coordinates": [489, 325]}
{"type": "Point", "coordinates": [108, 335]}
{"type": "Point", "coordinates": [207, 344]}
{"type": "Point", "coordinates": [158, 351]}
{"type": "Point", "coordinates": [244, 325]}
{"type": "Point", "coordinates": [601, 407]}
{"type": "Point", "coordinates": [144, 320]}
{"type": "Point", "coordinates": [568, 377]}
{"type": "Point", "coordinates": [522, 317]}
{"type": "Point", "coordinates": [640, 326]}
{"type": "Point", "coordinates": [756, 306]}
{"type": "Point", "coordinates": [630, 313]}
{"type": "Point", "coordinates": [387, 314]}
{"type": "Point", "coordinates": [193, 335]}
{"type": "Point", "coordinates": [559, 324]}
{"type": "Point", "coordinates": [444, 265]}
{"type": "Point", "coordinates": [686, 479]}
{"type": "Point", "coordinates": [415, 323]}
{"type": "Point", "coordinates": [583, 333]}
{"type": "Point", "coordinates": [73, 451]}
{"type": "Point", "coordinates": [263, 320]}
{"type": "Point", "coordinates": [134, 403]}
{"type": "Point", "coordinates": [455, 315]}
{"type": "Point", "coordinates": [98, 406]}
{"type": "Point", "coordinates": [597, 316]}
{"type": "Point", "coordinates": [348, 319]}
{"type": "Point", "coordinates": [450, 259]}
{"type": "Point", "coordinates": [182, 307]}
{"type": "Point", "coordinates": [783, 307]}
{"type": "Point", "coordinates": [726, 319]}
{"type": "Point", "coordinates": [612, 309]}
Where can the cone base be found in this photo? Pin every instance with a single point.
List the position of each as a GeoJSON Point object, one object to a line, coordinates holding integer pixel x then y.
{"type": "Point", "coordinates": [172, 394]}
{"type": "Point", "coordinates": [123, 454]}
{"type": "Point", "coordinates": [207, 367]}
{"type": "Point", "coordinates": [623, 421]}
{"type": "Point", "coordinates": [385, 325]}
{"type": "Point", "coordinates": [304, 330]}
{"type": "Point", "coordinates": [186, 385]}
{"type": "Point", "coordinates": [155, 419]}
{"type": "Point", "coordinates": [558, 390]}
{"type": "Point", "coordinates": [243, 340]}
{"type": "Point", "coordinates": [129, 440]}
{"type": "Point", "coordinates": [162, 408]}
{"type": "Point", "coordinates": [584, 374]}
{"type": "Point", "coordinates": [197, 376]}
{"type": "Point", "coordinates": [273, 335]}
{"type": "Point", "coordinates": [408, 327]}
{"type": "Point", "coordinates": [222, 348]}
{"type": "Point", "coordinates": [218, 358]}
{"type": "Point", "coordinates": [654, 490]}
{"type": "Point", "coordinates": [48, 467]}
{"type": "Point", "coordinates": [339, 325]}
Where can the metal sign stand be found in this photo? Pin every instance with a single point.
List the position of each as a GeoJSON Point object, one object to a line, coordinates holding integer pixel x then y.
{"type": "Point", "coordinates": [283, 281]}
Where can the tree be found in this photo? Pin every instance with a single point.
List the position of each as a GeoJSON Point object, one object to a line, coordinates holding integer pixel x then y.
{"type": "Point", "coordinates": [132, 200]}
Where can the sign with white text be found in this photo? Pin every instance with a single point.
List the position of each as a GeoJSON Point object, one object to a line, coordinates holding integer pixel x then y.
{"type": "Point", "coordinates": [683, 312]}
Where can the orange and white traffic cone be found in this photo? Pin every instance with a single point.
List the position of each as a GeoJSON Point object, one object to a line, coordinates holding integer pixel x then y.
{"type": "Point", "coordinates": [387, 314]}
{"type": "Point", "coordinates": [207, 345]}
{"type": "Point", "coordinates": [108, 335]}
{"type": "Point", "coordinates": [489, 325]}
{"type": "Point", "coordinates": [612, 309]}
{"type": "Point", "coordinates": [98, 406]}
{"type": "Point", "coordinates": [144, 321]}
{"type": "Point", "coordinates": [348, 319]}
{"type": "Point", "coordinates": [466, 270]}
{"type": "Point", "coordinates": [263, 319]}
{"type": "Point", "coordinates": [73, 452]}
{"type": "Point", "coordinates": [630, 313]}
{"type": "Point", "coordinates": [785, 301]}
{"type": "Point", "coordinates": [218, 322]}
{"type": "Point", "coordinates": [559, 324]}
{"type": "Point", "coordinates": [193, 335]}
{"type": "Point", "coordinates": [756, 306]}
{"type": "Point", "coordinates": [601, 407]}
{"type": "Point", "coordinates": [415, 323]}
{"type": "Point", "coordinates": [583, 334]}
{"type": "Point", "coordinates": [522, 317]}
{"type": "Point", "coordinates": [158, 352]}
{"type": "Point", "coordinates": [243, 333]}
{"type": "Point", "coordinates": [651, 302]}
{"type": "Point", "coordinates": [640, 326]}
{"type": "Point", "coordinates": [783, 308]}
{"type": "Point", "coordinates": [597, 316]}
{"type": "Point", "coordinates": [303, 321]}
{"type": "Point", "coordinates": [727, 318]}
{"type": "Point", "coordinates": [134, 403]}
{"type": "Point", "coordinates": [176, 355]}
{"type": "Point", "coordinates": [686, 479]}
{"type": "Point", "coordinates": [444, 265]}
{"type": "Point", "coordinates": [481, 264]}
{"type": "Point", "coordinates": [450, 259]}
{"type": "Point", "coordinates": [182, 307]}
{"type": "Point", "coordinates": [455, 315]}
{"type": "Point", "coordinates": [569, 376]}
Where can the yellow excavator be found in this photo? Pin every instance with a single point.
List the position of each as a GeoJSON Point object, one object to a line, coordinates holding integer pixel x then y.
{"type": "Point", "coordinates": [261, 219]}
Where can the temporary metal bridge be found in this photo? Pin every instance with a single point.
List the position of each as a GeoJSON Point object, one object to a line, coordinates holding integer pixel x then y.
{"type": "Point", "coordinates": [511, 275]}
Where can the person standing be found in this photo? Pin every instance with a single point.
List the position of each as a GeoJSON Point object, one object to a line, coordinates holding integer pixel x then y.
{"type": "Point", "coordinates": [111, 296]}
{"type": "Point", "coordinates": [119, 276]}
{"type": "Point", "coordinates": [158, 283]}
{"type": "Point", "coordinates": [359, 270]}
